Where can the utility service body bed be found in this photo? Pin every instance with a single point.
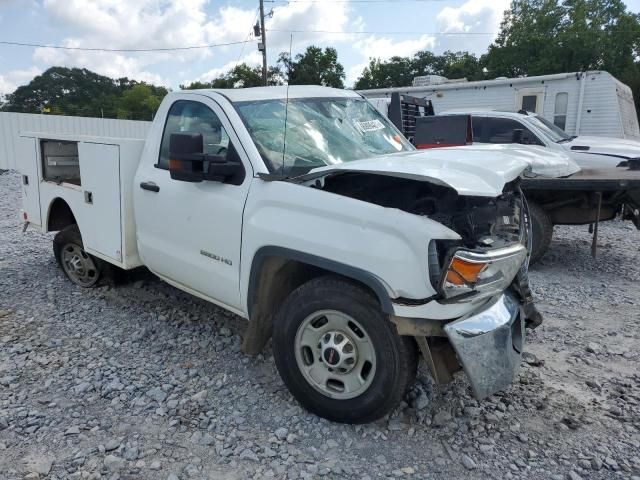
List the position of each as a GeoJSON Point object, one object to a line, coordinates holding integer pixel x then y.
{"type": "Point", "coordinates": [93, 175]}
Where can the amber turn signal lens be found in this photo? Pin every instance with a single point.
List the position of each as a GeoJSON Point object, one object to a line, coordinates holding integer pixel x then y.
{"type": "Point", "coordinates": [462, 272]}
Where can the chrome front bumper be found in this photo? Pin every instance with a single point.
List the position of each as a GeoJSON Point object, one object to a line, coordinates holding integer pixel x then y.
{"type": "Point", "coordinates": [489, 344]}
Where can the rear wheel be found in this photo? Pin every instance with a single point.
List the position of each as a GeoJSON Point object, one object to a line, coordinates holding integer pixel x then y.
{"type": "Point", "coordinates": [541, 232]}
{"type": "Point", "coordinates": [80, 267]}
{"type": "Point", "coordinates": [338, 354]}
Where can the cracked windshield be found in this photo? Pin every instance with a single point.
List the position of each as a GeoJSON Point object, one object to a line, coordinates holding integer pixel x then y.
{"type": "Point", "coordinates": [319, 132]}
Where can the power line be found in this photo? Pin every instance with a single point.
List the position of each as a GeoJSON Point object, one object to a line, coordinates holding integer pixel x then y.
{"type": "Point", "coordinates": [89, 49]}
{"type": "Point", "coordinates": [364, 32]}
{"type": "Point", "coordinates": [244, 44]}
{"type": "Point", "coordinates": [353, 1]}
{"type": "Point", "coordinates": [405, 32]}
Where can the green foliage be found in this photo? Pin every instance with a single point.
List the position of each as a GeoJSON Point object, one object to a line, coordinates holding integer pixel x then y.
{"type": "Point", "coordinates": [75, 91]}
{"type": "Point", "coordinates": [313, 67]}
{"type": "Point", "coordinates": [539, 37]}
{"type": "Point", "coordinates": [141, 98]}
{"type": "Point", "coordinates": [240, 76]}
{"type": "Point", "coordinates": [400, 71]}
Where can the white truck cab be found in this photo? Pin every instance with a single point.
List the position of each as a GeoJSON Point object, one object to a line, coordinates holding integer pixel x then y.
{"type": "Point", "coordinates": [505, 127]}
{"type": "Point", "coordinates": [303, 210]}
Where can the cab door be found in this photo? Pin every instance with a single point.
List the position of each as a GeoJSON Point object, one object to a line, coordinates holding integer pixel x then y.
{"type": "Point", "coordinates": [190, 233]}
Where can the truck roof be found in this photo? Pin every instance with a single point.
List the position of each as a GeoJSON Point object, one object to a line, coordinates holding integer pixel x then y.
{"type": "Point", "coordinates": [277, 93]}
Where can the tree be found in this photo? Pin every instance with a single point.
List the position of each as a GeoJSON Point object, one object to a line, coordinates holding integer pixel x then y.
{"type": "Point", "coordinates": [395, 72]}
{"type": "Point", "coordinates": [140, 102]}
{"type": "Point", "coordinates": [525, 42]}
{"type": "Point", "coordinates": [459, 65]}
{"type": "Point", "coordinates": [539, 37]}
{"type": "Point", "coordinates": [400, 71]}
{"type": "Point", "coordinates": [313, 67]}
{"type": "Point", "coordinates": [63, 89]}
{"type": "Point", "coordinates": [240, 76]}
{"type": "Point", "coordinates": [81, 92]}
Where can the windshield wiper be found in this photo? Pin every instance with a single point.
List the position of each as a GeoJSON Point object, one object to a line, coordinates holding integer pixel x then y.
{"type": "Point", "coordinates": [564, 140]}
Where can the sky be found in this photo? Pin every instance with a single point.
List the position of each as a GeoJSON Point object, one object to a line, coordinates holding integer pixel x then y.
{"type": "Point", "coordinates": [358, 29]}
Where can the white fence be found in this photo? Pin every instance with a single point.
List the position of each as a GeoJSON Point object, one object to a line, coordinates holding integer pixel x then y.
{"type": "Point", "coordinates": [11, 124]}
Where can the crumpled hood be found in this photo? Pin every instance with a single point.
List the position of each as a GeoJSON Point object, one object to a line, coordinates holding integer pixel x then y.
{"type": "Point", "coordinates": [469, 172]}
{"type": "Point", "coordinates": [621, 147]}
{"type": "Point", "coordinates": [542, 161]}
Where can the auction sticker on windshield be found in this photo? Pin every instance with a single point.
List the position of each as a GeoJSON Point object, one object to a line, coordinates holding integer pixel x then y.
{"type": "Point", "coordinates": [369, 125]}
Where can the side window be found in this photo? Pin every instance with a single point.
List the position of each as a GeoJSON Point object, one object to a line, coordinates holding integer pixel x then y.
{"type": "Point", "coordinates": [478, 127]}
{"type": "Point", "coordinates": [560, 110]}
{"type": "Point", "coordinates": [195, 117]}
{"type": "Point", "coordinates": [505, 130]}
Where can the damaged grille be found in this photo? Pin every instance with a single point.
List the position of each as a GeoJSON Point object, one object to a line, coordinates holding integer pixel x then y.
{"type": "Point", "coordinates": [480, 221]}
{"type": "Point", "coordinates": [485, 222]}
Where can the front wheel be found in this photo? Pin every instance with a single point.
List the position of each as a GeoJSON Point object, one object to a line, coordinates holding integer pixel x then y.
{"type": "Point", "coordinates": [541, 232]}
{"type": "Point", "coordinates": [339, 354]}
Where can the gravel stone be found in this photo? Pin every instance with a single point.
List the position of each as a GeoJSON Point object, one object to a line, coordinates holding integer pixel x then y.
{"type": "Point", "coordinates": [136, 379]}
{"type": "Point", "coordinates": [112, 444]}
{"type": "Point", "coordinates": [441, 418]}
{"type": "Point", "coordinates": [113, 463]}
{"type": "Point", "coordinates": [40, 465]}
{"type": "Point", "coordinates": [468, 462]}
{"type": "Point", "coordinates": [281, 433]}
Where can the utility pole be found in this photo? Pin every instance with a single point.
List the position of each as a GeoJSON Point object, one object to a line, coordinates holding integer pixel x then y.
{"type": "Point", "coordinates": [262, 46]}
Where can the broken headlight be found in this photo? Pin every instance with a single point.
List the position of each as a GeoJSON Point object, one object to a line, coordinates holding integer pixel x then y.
{"type": "Point", "coordinates": [485, 273]}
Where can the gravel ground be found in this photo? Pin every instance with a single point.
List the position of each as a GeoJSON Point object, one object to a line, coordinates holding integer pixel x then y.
{"type": "Point", "coordinates": [143, 381]}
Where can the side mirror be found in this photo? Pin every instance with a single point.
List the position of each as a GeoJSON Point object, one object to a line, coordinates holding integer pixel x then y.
{"type": "Point", "coordinates": [188, 163]}
{"type": "Point", "coordinates": [186, 160]}
{"type": "Point", "coordinates": [220, 170]}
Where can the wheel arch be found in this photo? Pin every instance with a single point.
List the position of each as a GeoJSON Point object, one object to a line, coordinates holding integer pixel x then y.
{"type": "Point", "coordinates": [277, 271]}
{"type": "Point", "coordinates": [59, 215]}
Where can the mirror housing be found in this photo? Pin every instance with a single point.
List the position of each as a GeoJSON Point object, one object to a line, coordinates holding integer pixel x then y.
{"type": "Point", "coordinates": [220, 170]}
{"type": "Point", "coordinates": [188, 163]}
{"type": "Point", "coordinates": [186, 160]}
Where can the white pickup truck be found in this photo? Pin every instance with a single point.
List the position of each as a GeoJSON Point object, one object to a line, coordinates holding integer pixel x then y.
{"type": "Point", "coordinates": [503, 127]}
{"type": "Point", "coordinates": [305, 211]}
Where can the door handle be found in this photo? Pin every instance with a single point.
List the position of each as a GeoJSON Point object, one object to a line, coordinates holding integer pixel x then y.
{"type": "Point", "coordinates": [151, 186]}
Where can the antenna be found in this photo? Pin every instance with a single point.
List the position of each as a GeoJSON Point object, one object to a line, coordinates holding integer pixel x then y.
{"type": "Point", "coordinates": [286, 110]}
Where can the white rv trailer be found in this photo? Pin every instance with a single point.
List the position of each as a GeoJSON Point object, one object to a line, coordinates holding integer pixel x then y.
{"type": "Point", "coordinates": [588, 103]}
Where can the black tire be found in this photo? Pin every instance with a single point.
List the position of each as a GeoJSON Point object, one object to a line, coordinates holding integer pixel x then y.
{"type": "Point", "coordinates": [396, 356]}
{"type": "Point", "coordinates": [541, 232]}
{"type": "Point", "coordinates": [70, 238]}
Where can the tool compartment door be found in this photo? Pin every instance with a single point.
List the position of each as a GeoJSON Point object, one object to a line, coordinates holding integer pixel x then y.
{"type": "Point", "coordinates": [28, 162]}
{"type": "Point", "coordinates": [100, 175]}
